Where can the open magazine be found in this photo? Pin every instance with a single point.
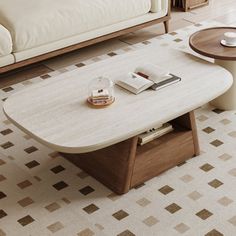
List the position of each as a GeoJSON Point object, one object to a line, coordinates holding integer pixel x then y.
{"type": "Point", "coordinates": [147, 76]}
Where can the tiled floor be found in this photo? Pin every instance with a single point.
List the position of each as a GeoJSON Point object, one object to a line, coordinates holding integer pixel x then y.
{"type": "Point", "coordinates": [43, 194]}
{"type": "Point", "coordinates": [50, 196]}
{"type": "Point", "coordinates": [222, 10]}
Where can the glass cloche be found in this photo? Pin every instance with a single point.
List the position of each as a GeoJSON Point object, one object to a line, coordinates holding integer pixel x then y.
{"type": "Point", "coordinates": [101, 91]}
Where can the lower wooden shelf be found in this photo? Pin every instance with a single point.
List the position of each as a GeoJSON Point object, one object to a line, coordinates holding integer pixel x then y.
{"type": "Point", "coordinates": [125, 165]}
{"type": "Point", "coordinates": [162, 154]}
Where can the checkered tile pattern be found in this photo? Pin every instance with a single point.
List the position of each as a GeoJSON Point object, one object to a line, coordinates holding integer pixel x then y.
{"type": "Point", "coordinates": [43, 194]}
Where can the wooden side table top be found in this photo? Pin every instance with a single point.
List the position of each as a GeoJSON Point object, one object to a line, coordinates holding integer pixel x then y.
{"type": "Point", "coordinates": [207, 42]}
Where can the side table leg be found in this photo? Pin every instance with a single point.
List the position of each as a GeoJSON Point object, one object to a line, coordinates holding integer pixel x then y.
{"type": "Point", "coordinates": [227, 101]}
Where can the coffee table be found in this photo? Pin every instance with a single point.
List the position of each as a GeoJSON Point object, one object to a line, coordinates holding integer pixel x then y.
{"type": "Point", "coordinates": [207, 43]}
{"type": "Point", "coordinates": [103, 142]}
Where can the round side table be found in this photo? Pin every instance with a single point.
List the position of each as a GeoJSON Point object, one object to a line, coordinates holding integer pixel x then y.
{"type": "Point", "coordinates": [207, 42]}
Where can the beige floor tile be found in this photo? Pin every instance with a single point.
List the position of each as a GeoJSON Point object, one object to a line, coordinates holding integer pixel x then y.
{"type": "Point", "coordinates": [150, 221]}
{"type": "Point", "coordinates": [181, 228]}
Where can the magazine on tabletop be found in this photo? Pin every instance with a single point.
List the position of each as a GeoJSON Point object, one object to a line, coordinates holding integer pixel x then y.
{"type": "Point", "coordinates": [146, 76]}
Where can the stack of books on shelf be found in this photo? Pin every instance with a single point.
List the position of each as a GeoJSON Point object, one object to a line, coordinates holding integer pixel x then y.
{"type": "Point", "coordinates": [154, 133]}
{"type": "Point", "coordinates": [146, 76]}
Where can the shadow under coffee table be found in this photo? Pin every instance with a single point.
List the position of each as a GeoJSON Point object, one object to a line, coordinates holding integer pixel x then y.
{"type": "Point", "coordinates": [103, 142]}
{"type": "Point", "coordinates": [208, 43]}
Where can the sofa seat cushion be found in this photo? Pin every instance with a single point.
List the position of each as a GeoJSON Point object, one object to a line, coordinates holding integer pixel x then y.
{"type": "Point", "coordinates": [5, 42]}
{"type": "Point", "coordinates": [34, 23]}
{"type": "Point", "coordinates": [6, 60]}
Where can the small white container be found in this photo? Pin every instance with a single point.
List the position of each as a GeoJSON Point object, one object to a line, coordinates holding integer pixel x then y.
{"type": "Point", "coordinates": [230, 38]}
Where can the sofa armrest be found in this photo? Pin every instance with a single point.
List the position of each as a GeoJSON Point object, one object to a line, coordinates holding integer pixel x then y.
{"type": "Point", "coordinates": [5, 41]}
{"type": "Point", "coordinates": [159, 5]}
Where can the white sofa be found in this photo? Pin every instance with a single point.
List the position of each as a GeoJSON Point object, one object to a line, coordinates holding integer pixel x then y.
{"type": "Point", "coordinates": [32, 28]}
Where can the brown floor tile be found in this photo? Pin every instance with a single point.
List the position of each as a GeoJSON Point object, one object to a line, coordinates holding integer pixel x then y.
{"type": "Point", "coordinates": [7, 145]}
{"type": "Point", "coordinates": [6, 132]}
{"type": "Point", "coordinates": [90, 208]}
{"type": "Point", "coordinates": [206, 167]}
{"type": "Point", "coordinates": [86, 190]}
{"type": "Point", "coordinates": [2, 177]}
{"type": "Point", "coordinates": [2, 213]}
{"type": "Point", "coordinates": [214, 232]}
{"type": "Point", "coordinates": [86, 232]}
{"type": "Point", "coordinates": [32, 164]}
{"type": "Point", "coordinates": [2, 162]}
{"type": "Point", "coordinates": [216, 143]}
{"type": "Point", "coordinates": [166, 189]}
{"type": "Point", "coordinates": [2, 195]}
{"type": "Point", "coordinates": [30, 150]}
{"type": "Point", "coordinates": [172, 208]}
{"type": "Point", "coordinates": [119, 215]}
{"type": "Point", "coordinates": [60, 185]}
{"type": "Point", "coordinates": [24, 184]}
{"type": "Point", "coordinates": [26, 220]}
{"type": "Point", "coordinates": [215, 183]}
{"type": "Point", "coordinates": [204, 214]}
{"type": "Point", "coordinates": [126, 233]}
{"type": "Point", "coordinates": [25, 202]}
{"type": "Point", "coordinates": [53, 207]}
{"type": "Point", "coordinates": [2, 233]}
{"type": "Point", "coordinates": [208, 130]}
{"type": "Point", "coordinates": [57, 169]}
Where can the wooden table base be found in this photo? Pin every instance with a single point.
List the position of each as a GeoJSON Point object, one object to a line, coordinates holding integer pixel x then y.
{"type": "Point", "coordinates": [125, 165]}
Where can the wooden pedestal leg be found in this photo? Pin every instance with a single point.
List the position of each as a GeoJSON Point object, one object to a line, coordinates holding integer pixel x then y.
{"type": "Point", "coordinates": [166, 24]}
{"type": "Point", "coordinates": [194, 131]}
{"type": "Point", "coordinates": [227, 101]}
{"type": "Point", "coordinates": [112, 166]}
{"type": "Point", "coordinates": [188, 121]}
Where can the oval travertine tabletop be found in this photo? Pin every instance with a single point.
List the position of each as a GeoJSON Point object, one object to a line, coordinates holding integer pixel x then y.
{"type": "Point", "coordinates": [55, 112]}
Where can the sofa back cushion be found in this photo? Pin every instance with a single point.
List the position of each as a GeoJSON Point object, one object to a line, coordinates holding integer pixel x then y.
{"type": "Point", "coordinates": [34, 23]}
{"type": "Point", "coordinates": [5, 42]}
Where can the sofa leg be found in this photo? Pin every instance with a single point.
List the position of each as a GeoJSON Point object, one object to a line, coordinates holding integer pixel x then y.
{"type": "Point", "coordinates": [166, 24]}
